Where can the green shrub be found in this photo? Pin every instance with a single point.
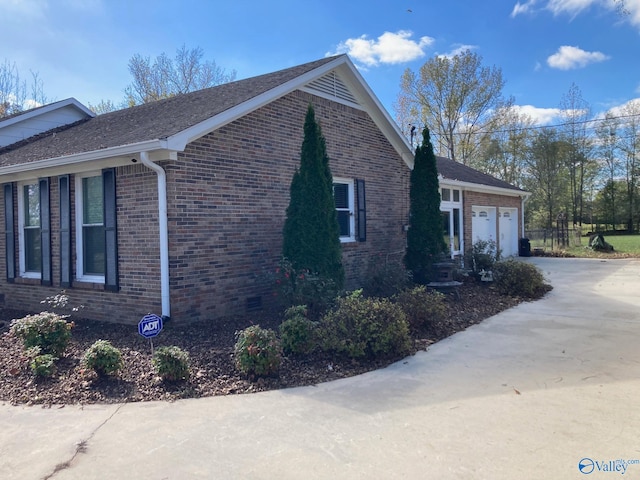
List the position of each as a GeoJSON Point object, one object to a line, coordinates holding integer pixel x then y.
{"type": "Point", "coordinates": [385, 278]}
{"type": "Point", "coordinates": [49, 331]}
{"type": "Point", "coordinates": [519, 279]}
{"type": "Point", "coordinates": [423, 308]}
{"type": "Point", "coordinates": [171, 363]}
{"type": "Point", "coordinates": [42, 365]}
{"type": "Point", "coordinates": [482, 256]}
{"type": "Point", "coordinates": [302, 287]}
{"type": "Point", "coordinates": [365, 328]}
{"type": "Point", "coordinates": [297, 332]}
{"type": "Point", "coordinates": [257, 351]}
{"type": "Point", "coordinates": [103, 358]}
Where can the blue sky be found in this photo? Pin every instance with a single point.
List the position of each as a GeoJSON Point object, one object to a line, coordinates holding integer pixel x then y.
{"type": "Point", "coordinates": [80, 48]}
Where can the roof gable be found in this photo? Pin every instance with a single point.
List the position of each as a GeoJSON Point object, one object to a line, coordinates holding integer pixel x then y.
{"type": "Point", "coordinates": [170, 124]}
{"type": "Point", "coordinates": [28, 124]}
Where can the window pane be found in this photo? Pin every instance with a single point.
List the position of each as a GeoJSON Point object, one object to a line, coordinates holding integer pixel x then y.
{"type": "Point", "coordinates": [456, 228]}
{"type": "Point", "coordinates": [341, 195]}
{"type": "Point", "coordinates": [344, 220]}
{"type": "Point", "coordinates": [93, 250]}
{"type": "Point", "coordinates": [446, 195]}
{"type": "Point", "coordinates": [92, 201]}
{"type": "Point", "coordinates": [32, 250]}
{"type": "Point", "coordinates": [456, 195]}
{"type": "Point", "coordinates": [32, 205]}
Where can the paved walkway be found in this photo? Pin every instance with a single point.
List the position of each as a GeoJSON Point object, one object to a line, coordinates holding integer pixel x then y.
{"type": "Point", "coordinates": [528, 394]}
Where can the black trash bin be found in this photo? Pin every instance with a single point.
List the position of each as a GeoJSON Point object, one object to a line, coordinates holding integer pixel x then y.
{"type": "Point", "coordinates": [525, 247]}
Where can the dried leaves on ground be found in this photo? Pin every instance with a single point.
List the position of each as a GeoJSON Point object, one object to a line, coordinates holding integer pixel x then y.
{"type": "Point", "coordinates": [210, 348]}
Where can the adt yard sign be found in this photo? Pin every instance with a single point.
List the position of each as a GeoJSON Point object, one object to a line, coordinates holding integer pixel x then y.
{"type": "Point", "coordinates": [150, 325]}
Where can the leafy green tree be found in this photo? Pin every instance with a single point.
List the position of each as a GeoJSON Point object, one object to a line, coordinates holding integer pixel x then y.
{"type": "Point", "coordinates": [425, 240]}
{"type": "Point", "coordinates": [456, 95]}
{"type": "Point", "coordinates": [311, 231]}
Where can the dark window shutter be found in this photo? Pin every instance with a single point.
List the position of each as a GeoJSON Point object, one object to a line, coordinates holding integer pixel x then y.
{"type": "Point", "coordinates": [65, 231]}
{"type": "Point", "coordinates": [110, 230]}
{"type": "Point", "coordinates": [45, 231]}
{"type": "Point", "coordinates": [10, 243]}
{"type": "Point", "coordinates": [362, 212]}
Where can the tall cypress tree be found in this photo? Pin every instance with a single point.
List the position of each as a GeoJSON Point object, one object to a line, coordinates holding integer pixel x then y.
{"type": "Point", "coordinates": [425, 239]}
{"type": "Point", "coordinates": [311, 230]}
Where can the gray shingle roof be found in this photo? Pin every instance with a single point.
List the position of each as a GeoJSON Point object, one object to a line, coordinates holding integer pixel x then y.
{"type": "Point", "coordinates": [151, 121]}
{"type": "Point", "coordinates": [452, 170]}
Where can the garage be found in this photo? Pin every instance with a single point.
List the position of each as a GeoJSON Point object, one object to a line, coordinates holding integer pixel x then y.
{"type": "Point", "coordinates": [508, 231]}
{"type": "Point", "coordinates": [483, 223]}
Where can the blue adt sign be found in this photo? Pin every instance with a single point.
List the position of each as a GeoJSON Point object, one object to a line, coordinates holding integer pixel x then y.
{"type": "Point", "coordinates": [150, 325]}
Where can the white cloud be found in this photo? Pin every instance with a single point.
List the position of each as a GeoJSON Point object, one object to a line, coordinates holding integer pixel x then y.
{"type": "Point", "coordinates": [540, 116]}
{"type": "Point", "coordinates": [457, 51]}
{"type": "Point", "coordinates": [522, 8]}
{"type": "Point", "coordinates": [569, 58]}
{"type": "Point", "coordinates": [388, 48]}
{"type": "Point", "coordinates": [628, 9]}
{"type": "Point", "coordinates": [572, 7]}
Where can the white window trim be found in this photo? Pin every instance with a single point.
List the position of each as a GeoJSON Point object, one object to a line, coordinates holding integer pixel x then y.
{"type": "Point", "coordinates": [79, 224]}
{"type": "Point", "coordinates": [352, 205]}
{"type": "Point", "coordinates": [21, 240]}
{"type": "Point", "coordinates": [451, 202]}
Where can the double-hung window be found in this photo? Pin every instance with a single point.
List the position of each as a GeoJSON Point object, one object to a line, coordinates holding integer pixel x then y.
{"type": "Point", "coordinates": [90, 231]}
{"type": "Point", "coordinates": [29, 225]}
{"type": "Point", "coordinates": [344, 199]}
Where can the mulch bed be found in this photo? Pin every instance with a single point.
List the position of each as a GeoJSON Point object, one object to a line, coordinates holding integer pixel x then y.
{"type": "Point", "coordinates": [210, 347]}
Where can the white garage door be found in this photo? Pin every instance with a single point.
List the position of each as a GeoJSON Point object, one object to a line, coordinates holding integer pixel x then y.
{"type": "Point", "coordinates": [508, 224]}
{"type": "Point", "coordinates": [483, 223]}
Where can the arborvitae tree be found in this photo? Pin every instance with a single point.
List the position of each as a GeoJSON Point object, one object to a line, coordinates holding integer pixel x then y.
{"type": "Point", "coordinates": [425, 237]}
{"type": "Point", "coordinates": [311, 230]}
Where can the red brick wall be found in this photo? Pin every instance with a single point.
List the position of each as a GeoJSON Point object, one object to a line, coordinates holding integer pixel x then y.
{"type": "Point", "coordinates": [471, 198]}
{"type": "Point", "coordinates": [230, 189]}
{"type": "Point", "coordinates": [138, 256]}
{"type": "Point", "coordinates": [227, 196]}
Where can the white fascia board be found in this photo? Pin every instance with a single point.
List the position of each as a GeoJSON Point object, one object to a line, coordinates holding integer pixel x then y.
{"type": "Point", "coordinates": [46, 109]}
{"type": "Point", "coordinates": [180, 140]}
{"type": "Point", "coordinates": [476, 187]}
{"type": "Point", "coordinates": [376, 111]}
{"type": "Point", "coordinates": [71, 163]}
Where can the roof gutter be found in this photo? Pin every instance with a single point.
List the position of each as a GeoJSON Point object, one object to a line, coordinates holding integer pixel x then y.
{"type": "Point", "coordinates": [164, 233]}
{"type": "Point", "coordinates": [477, 187]}
{"type": "Point", "coordinates": [66, 160]}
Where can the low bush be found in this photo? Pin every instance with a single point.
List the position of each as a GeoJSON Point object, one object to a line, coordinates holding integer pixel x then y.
{"type": "Point", "coordinates": [365, 328]}
{"type": "Point", "coordinates": [103, 358]}
{"type": "Point", "coordinates": [48, 331]}
{"type": "Point", "coordinates": [483, 255]}
{"type": "Point", "coordinates": [519, 279]}
{"type": "Point", "coordinates": [297, 332]}
{"type": "Point", "coordinates": [41, 364]}
{"type": "Point", "coordinates": [302, 287]}
{"type": "Point", "coordinates": [171, 363]}
{"type": "Point", "coordinates": [385, 278]}
{"type": "Point", "coordinates": [257, 351]}
{"type": "Point", "coordinates": [423, 308]}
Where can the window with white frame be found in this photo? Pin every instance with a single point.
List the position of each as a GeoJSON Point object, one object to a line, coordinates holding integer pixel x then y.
{"type": "Point", "coordinates": [29, 225]}
{"type": "Point", "coordinates": [90, 231]}
{"type": "Point", "coordinates": [345, 206]}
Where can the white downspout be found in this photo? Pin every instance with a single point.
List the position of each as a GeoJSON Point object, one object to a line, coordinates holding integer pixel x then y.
{"type": "Point", "coordinates": [524, 200]}
{"type": "Point", "coordinates": [164, 233]}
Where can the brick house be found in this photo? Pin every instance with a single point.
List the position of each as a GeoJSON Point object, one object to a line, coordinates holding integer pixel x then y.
{"type": "Point", "coordinates": [176, 207]}
{"type": "Point", "coordinates": [477, 206]}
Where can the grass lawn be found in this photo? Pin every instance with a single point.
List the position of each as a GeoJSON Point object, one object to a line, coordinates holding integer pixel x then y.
{"type": "Point", "coordinates": [623, 245]}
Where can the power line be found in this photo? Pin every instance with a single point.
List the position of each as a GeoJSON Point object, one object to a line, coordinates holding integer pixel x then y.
{"type": "Point", "coordinates": [541, 127]}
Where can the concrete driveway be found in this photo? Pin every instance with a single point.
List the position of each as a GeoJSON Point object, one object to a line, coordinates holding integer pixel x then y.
{"type": "Point", "coordinates": [540, 391]}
